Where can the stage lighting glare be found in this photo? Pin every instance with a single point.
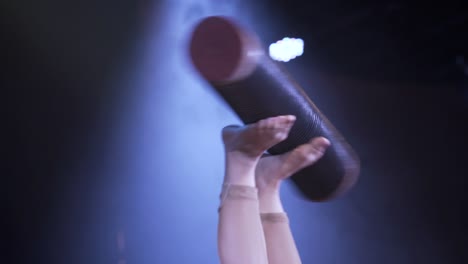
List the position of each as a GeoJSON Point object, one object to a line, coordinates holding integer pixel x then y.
{"type": "Point", "coordinates": [286, 49]}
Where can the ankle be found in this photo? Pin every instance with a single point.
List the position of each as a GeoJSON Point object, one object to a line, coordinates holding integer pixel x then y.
{"type": "Point", "coordinates": [271, 188]}
{"type": "Point", "coordinates": [240, 169]}
{"type": "Point", "coordinates": [241, 159]}
{"type": "Point", "coordinates": [270, 203]}
{"type": "Point", "coordinates": [241, 180]}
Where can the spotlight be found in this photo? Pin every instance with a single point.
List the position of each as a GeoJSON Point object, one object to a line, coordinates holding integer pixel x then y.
{"type": "Point", "coordinates": [286, 49]}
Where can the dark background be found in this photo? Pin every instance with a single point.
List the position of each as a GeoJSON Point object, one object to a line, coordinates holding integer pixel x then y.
{"type": "Point", "coordinates": [392, 76]}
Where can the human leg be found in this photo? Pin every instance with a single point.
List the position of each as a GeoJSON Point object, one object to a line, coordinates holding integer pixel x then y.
{"type": "Point", "coordinates": [240, 232]}
{"type": "Point", "coordinates": [270, 172]}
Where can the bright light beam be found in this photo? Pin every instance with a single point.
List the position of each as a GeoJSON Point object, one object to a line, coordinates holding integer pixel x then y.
{"type": "Point", "coordinates": [286, 49]}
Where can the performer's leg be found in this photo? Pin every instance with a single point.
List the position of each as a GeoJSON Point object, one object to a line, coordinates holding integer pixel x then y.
{"type": "Point", "coordinates": [240, 233]}
{"type": "Point", "coordinates": [271, 170]}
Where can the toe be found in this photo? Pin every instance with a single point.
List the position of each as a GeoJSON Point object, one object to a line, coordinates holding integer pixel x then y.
{"type": "Point", "coordinates": [314, 150]}
{"type": "Point", "coordinates": [320, 143]}
{"type": "Point", "coordinates": [277, 121]}
{"type": "Point", "coordinates": [305, 155]}
{"type": "Point", "coordinates": [290, 118]}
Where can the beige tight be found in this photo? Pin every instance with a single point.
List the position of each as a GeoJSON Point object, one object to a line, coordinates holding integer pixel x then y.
{"type": "Point", "coordinates": [253, 227]}
{"type": "Point", "coordinates": [246, 236]}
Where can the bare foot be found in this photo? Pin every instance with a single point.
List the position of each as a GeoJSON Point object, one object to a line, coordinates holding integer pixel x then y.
{"type": "Point", "coordinates": [245, 145]}
{"type": "Point", "coordinates": [253, 140]}
{"type": "Point", "coordinates": [271, 170]}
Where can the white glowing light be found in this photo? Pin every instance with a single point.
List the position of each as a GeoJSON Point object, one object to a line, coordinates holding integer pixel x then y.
{"type": "Point", "coordinates": [286, 49]}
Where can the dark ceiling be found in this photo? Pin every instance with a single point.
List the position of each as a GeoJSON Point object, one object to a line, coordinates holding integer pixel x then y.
{"type": "Point", "coordinates": [383, 40]}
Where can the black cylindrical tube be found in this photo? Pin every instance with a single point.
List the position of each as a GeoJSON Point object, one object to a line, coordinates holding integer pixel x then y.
{"type": "Point", "coordinates": [231, 59]}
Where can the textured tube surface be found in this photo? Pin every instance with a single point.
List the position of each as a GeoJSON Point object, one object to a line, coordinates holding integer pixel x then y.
{"type": "Point", "coordinates": [231, 59]}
